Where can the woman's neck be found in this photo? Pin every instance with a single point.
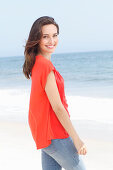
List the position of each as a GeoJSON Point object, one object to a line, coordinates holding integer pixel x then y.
{"type": "Point", "coordinates": [47, 56]}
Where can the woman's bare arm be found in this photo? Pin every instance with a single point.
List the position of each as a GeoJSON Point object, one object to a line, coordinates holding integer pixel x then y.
{"type": "Point", "coordinates": [61, 113]}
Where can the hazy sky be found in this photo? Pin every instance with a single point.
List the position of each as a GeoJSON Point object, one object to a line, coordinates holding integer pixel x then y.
{"type": "Point", "coordinates": [85, 25]}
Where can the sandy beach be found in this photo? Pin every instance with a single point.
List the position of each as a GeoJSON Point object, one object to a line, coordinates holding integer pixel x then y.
{"type": "Point", "coordinates": [18, 151]}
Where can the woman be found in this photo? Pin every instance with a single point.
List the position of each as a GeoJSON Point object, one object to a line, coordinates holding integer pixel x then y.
{"type": "Point", "coordinates": [49, 119]}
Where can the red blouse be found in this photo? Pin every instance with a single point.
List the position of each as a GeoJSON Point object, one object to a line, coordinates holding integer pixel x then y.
{"type": "Point", "coordinates": [43, 121]}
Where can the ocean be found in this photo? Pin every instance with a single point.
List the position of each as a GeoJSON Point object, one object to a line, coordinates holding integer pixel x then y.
{"type": "Point", "coordinates": [88, 78]}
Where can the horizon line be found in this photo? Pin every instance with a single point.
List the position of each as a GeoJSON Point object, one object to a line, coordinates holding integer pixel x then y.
{"type": "Point", "coordinates": [65, 53]}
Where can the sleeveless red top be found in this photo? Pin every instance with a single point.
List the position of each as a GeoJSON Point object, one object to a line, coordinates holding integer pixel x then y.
{"type": "Point", "coordinates": [43, 121]}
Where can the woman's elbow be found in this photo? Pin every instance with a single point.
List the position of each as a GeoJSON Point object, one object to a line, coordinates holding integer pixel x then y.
{"type": "Point", "coordinates": [59, 109]}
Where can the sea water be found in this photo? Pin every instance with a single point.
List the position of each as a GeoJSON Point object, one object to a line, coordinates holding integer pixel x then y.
{"type": "Point", "coordinates": [88, 80]}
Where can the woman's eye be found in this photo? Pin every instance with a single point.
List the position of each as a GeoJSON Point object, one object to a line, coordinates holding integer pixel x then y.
{"type": "Point", "coordinates": [55, 35]}
{"type": "Point", "coordinates": [47, 36]}
{"type": "Point", "coordinates": [44, 36]}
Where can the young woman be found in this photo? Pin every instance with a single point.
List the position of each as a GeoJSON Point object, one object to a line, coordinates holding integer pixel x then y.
{"type": "Point", "coordinates": [49, 119]}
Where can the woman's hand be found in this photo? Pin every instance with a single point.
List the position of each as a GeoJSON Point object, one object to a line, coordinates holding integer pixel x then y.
{"type": "Point", "coordinates": [81, 148]}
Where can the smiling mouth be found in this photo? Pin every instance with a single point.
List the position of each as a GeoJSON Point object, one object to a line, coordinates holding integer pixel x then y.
{"type": "Point", "coordinates": [50, 46]}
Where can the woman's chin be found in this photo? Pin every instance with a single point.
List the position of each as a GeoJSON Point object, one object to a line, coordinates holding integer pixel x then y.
{"type": "Point", "coordinates": [50, 50]}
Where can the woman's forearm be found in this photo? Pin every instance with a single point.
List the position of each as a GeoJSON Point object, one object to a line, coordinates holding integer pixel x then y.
{"type": "Point", "coordinates": [64, 119]}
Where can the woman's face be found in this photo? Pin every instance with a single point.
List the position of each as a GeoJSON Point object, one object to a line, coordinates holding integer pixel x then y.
{"type": "Point", "coordinates": [49, 39]}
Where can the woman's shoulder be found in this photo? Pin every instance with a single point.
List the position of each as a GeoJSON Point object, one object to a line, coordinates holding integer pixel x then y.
{"type": "Point", "coordinates": [44, 63]}
{"type": "Point", "coordinates": [43, 60]}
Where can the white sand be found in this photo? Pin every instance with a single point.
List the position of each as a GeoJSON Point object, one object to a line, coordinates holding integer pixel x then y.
{"type": "Point", "coordinates": [18, 151]}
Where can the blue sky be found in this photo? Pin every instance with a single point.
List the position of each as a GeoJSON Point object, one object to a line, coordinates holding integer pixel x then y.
{"type": "Point", "coordinates": [85, 25]}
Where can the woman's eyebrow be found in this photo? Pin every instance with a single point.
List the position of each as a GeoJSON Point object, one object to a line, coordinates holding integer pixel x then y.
{"type": "Point", "coordinates": [48, 34]}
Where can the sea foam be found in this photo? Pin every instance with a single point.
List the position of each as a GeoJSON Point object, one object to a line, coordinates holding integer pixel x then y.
{"type": "Point", "coordinates": [14, 106]}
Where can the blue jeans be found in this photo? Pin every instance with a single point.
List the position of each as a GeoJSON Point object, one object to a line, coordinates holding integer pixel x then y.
{"type": "Point", "coordinates": [61, 153]}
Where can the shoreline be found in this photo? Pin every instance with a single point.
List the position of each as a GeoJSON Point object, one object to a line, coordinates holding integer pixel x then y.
{"type": "Point", "coordinates": [15, 104]}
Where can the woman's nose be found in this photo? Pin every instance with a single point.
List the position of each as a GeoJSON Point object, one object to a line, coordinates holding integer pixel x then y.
{"type": "Point", "coordinates": [51, 40]}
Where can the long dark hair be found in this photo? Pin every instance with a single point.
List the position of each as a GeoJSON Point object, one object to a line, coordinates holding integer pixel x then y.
{"type": "Point", "coordinates": [32, 44]}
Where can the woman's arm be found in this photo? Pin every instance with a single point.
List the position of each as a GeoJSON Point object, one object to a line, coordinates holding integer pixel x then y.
{"type": "Point", "coordinates": [55, 101]}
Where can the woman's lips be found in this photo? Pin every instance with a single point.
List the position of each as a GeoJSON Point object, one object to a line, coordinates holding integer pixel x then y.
{"type": "Point", "coordinates": [50, 46]}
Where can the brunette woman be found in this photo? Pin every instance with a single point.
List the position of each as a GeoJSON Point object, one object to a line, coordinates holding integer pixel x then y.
{"type": "Point", "coordinates": [49, 119]}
